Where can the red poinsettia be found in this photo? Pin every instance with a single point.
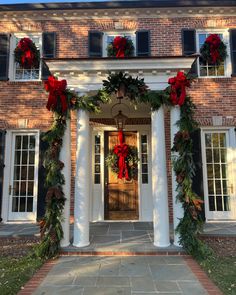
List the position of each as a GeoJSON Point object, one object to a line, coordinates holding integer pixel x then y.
{"type": "Point", "coordinates": [26, 53]}
{"type": "Point", "coordinates": [178, 88]}
{"type": "Point", "coordinates": [56, 91]}
{"type": "Point", "coordinates": [213, 49]}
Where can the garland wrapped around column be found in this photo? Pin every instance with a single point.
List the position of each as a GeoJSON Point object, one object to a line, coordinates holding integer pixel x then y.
{"type": "Point", "coordinates": [62, 100]}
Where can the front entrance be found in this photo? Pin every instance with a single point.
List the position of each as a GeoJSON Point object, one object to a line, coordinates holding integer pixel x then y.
{"type": "Point", "coordinates": [121, 196]}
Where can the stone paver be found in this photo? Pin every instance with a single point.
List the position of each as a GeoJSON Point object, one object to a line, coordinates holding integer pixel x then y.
{"type": "Point", "coordinates": [138, 275]}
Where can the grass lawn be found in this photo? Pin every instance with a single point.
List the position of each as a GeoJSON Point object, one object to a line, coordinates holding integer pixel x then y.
{"type": "Point", "coordinates": [222, 270]}
{"type": "Point", "coordinates": [16, 271]}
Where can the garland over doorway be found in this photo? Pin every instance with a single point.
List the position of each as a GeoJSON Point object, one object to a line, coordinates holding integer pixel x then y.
{"type": "Point", "coordinates": [62, 101]}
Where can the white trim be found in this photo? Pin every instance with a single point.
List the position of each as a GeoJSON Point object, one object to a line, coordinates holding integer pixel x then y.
{"type": "Point", "coordinates": [8, 173]}
{"type": "Point", "coordinates": [227, 63]}
{"type": "Point", "coordinates": [13, 44]}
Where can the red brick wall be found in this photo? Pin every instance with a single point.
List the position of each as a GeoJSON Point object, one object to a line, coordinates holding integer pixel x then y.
{"type": "Point", "coordinates": [27, 99]}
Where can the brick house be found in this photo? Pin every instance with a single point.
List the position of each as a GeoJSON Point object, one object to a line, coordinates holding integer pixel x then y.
{"type": "Point", "coordinates": [72, 39]}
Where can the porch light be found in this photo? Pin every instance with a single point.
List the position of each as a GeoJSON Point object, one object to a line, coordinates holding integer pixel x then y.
{"type": "Point", "coordinates": [120, 120]}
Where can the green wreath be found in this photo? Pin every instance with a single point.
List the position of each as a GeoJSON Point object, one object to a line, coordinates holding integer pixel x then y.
{"type": "Point", "coordinates": [213, 51]}
{"type": "Point", "coordinates": [131, 160]}
{"type": "Point", "coordinates": [120, 47]}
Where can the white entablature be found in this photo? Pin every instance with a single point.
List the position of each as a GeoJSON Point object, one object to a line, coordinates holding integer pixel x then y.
{"type": "Point", "coordinates": [87, 74]}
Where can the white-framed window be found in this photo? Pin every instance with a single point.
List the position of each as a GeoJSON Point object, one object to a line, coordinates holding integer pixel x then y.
{"type": "Point", "coordinates": [18, 73]}
{"type": "Point", "coordinates": [108, 37]}
{"type": "Point", "coordinates": [209, 70]}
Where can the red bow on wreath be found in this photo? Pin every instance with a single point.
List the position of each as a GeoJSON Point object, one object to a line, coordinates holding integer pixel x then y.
{"type": "Point", "coordinates": [214, 41]}
{"type": "Point", "coordinates": [119, 44]}
{"type": "Point", "coordinates": [56, 90]}
{"type": "Point", "coordinates": [28, 58]}
{"type": "Point", "coordinates": [122, 150]}
{"type": "Point", "coordinates": [178, 88]}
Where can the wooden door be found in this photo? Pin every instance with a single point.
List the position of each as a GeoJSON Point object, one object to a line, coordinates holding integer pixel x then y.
{"type": "Point", "coordinates": [121, 196]}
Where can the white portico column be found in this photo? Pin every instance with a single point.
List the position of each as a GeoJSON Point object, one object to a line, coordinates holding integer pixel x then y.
{"type": "Point", "coordinates": [65, 157]}
{"type": "Point", "coordinates": [82, 180]}
{"type": "Point", "coordinates": [177, 207]}
{"type": "Point", "coordinates": [159, 181]}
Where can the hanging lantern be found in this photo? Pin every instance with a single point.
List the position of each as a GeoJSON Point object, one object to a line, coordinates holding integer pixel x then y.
{"type": "Point", "coordinates": [120, 120]}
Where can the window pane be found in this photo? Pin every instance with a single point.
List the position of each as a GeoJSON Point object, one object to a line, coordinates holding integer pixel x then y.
{"type": "Point", "coordinates": [226, 203]}
{"type": "Point", "coordinates": [32, 143]}
{"type": "Point", "coordinates": [223, 167]}
{"type": "Point", "coordinates": [97, 158]}
{"type": "Point", "coordinates": [17, 157]}
{"type": "Point", "coordinates": [144, 148]}
{"type": "Point", "coordinates": [144, 168]}
{"type": "Point", "coordinates": [24, 157]}
{"type": "Point", "coordinates": [97, 139]}
{"type": "Point", "coordinates": [23, 172]}
{"type": "Point", "coordinates": [97, 149]}
{"type": "Point", "coordinates": [218, 187]}
{"type": "Point", "coordinates": [31, 173]}
{"type": "Point", "coordinates": [25, 142]}
{"type": "Point", "coordinates": [219, 204]}
{"type": "Point", "coordinates": [97, 168]}
{"type": "Point", "coordinates": [97, 178]}
{"type": "Point", "coordinates": [22, 204]}
{"type": "Point", "coordinates": [216, 154]}
{"type": "Point", "coordinates": [223, 155]}
{"type": "Point", "coordinates": [17, 173]}
{"type": "Point", "coordinates": [217, 170]}
{"type": "Point", "coordinates": [144, 178]}
{"type": "Point", "coordinates": [30, 188]}
{"type": "Point", "coordinates": [144, 158]}
{"type": "Point", "coordinates": [29, 204]}
{"type": "Point", "coordinates": [222, 140]}
{"type": "Point", "coordinates": [210, 171]}
{"type": "Point", "coordinates": [18, 142]}
{"type": "Point", "coordinates": [23, 188]}
{"type": "Point", "coordinates": [211, 203]}
{"type": "Point", "coordinates": [208, 139]}
{"type": "Point", "coordinates": [16, 188]}
{"type": "Point", "coordinates": [209, 156]}
{"type": "Point", "coordinates": [215, 139]}
{"type": "Point", "coordinates": [210, 187]}
{"type": "Point", "coordinates": [224, 183]}
{"type": "Point", "coordinates": [31, 157]}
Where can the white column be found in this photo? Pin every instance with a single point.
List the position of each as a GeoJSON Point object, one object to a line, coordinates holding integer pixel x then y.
{"type": "Point", "coordinates": [82, 180]}
{"type": "Point", "coordinates": [177, 207]}
{"type": "Point", "coordinates": [159, 181]}
{"type": "Point", "coordinates": [65, 157]}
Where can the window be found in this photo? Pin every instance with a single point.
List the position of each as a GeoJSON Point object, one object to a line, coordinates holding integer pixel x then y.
{"type": "Point", "coordinates": [204, 68]}
{"type": "Point", "coordinates": [24, 173]}
{"type": "Point", "coordinates": [109, 37]}
{"type": "Point", "coordinates": [21, 74]}
{"type": "Point", "coordinates": [97, 159]}
{"type": "Point", "coordinates": [217, 171]}
{"type": "Point", "coordinates": [144, 158]}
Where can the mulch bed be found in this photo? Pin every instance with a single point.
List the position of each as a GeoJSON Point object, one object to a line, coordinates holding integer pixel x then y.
{"type": "Point", "coordinates": [222, 246]}
{"type": "Point", "coordinates": [17, 247]}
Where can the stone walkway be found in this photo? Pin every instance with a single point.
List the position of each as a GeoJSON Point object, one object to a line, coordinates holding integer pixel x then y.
{"type": "Point", "coordinates": [140, 275]}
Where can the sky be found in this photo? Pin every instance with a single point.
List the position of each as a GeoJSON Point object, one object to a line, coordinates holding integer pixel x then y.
{"type": "Point", "coordinates": [43, 1]}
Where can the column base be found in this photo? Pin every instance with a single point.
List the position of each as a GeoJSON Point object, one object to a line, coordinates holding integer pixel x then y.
{"type": "Point", "coordinates": [64, 245]}
{"type": "Point", "coordinates": [161, 245]}
{"type": "Point", "coordinates": [81, 245]}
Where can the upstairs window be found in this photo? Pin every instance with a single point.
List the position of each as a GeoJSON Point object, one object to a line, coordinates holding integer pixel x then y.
{"type": "Point", "coordinates": [17, 73]}
{"type": "Point", "coordinates": [210, 70]}
{"type": "Point", "coordinates": [109, 37]}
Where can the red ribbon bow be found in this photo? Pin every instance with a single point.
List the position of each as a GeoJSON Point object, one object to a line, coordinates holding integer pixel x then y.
{"type": "Point", "coordinates": [214, 41]}
{"type": "Point", "coordinates": [122, 150]}
{"type": "Point", "coordinates": [178, 88]}
{"type": "Point", "coordinates": [119, 44]}
{"type": "Point", "coordinates": [56, 91]}
{"type": "Point", "coordinates": [28, 58]}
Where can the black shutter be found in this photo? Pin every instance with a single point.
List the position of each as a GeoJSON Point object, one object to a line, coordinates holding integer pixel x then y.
{"type": "Point", "coordinates": [4, 56]}
{"type": "Point", "coordinates": [95, 44]}
{"type": "Point", "coordinates": [45, 71]}
{"type": "Point", "coordinates": [49, 45]}
{"type": "Point", "coordinates": [197, 185]}
{"type": "Point", "coordinates": [42, 189]}
{"type": "Point", "coordinates": [143, 43]}
{"type": "Point", "coordinates": [189, 47]}
{"type": "Point", "coordinates": [2, 149]}
{"type": "Point", "coordinates": [233, 50]}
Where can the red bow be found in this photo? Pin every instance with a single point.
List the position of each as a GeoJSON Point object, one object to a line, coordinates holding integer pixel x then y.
{"type": "Point", "coordinates": [122, 150]}
{"type": "Point", "coordinates": [119, 44]}
{"type": "Point", "coordinates": [28, 58]}
{"type": "Point", "coordinates": [178, 91]}
{"type": "Point", "coordinates": [214, 41]}
{"type": "Point", "coordinates": [56, 90]}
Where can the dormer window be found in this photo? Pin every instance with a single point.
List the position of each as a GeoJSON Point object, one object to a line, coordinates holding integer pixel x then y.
{"type": "Point", "coordinates": [98, 42]}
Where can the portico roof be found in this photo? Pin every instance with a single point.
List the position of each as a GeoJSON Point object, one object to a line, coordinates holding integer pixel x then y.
{"type": "Point", "coordinates": [88, 73]}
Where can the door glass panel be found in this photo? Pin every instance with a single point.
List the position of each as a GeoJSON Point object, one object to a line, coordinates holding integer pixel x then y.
{"type": "Point", "coordinates": [23, 174]}
{"type": "Point", "coordinates": [216, 168]}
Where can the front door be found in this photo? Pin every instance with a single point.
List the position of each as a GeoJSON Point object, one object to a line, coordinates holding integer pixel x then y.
{"type": "Point", "coordinates": [218, 176]}
{"type": "Point", "coordinates": [23, 177]}
{"type": "Point", "coordinates": [121, 196]}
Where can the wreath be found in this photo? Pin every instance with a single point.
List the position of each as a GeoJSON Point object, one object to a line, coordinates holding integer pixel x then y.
{"type": "Point", "coordinates": [27, 54]}
{"type": "Point", "coordinates": [213, 50]}
{"type": "Point", "coordinates": [120, 47]}
{"type": "Point", "coordinates": [123, 159]}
